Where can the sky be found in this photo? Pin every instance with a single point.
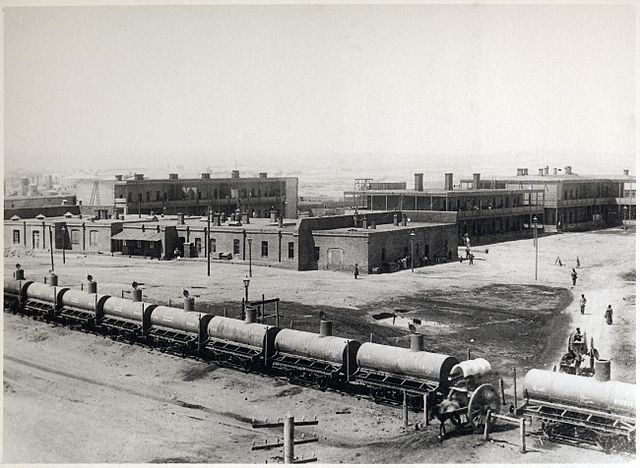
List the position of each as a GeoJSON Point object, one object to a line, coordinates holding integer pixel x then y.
{"type": "Point", "coordinates": [299, 86]}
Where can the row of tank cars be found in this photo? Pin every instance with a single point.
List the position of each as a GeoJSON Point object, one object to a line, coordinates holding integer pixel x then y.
{"type": "Point", "coordinates": [570, 407]}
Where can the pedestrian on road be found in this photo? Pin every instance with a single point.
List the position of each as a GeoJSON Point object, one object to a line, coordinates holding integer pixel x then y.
{"type": "Point", "coordinates": [356, 272]}
{"type": "Point", "coordinates": [574, 276]}
{"type": "Point", "coordinates": [608, 315]}
{"type": "Point", "coordinates": [577, 262]}
{"type": "Point", "coordinates": [583, 304]}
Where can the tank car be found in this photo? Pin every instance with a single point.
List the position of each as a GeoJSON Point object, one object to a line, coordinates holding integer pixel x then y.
{"type": "Point", "coordinates": [177, 330]}
{"type": "Point", "coordinates": [125, 319]}
{"type": "Point", "coordinates": [315, 358]}
{"type": "Point", "coordinates": [43, 301]}
{"type": "Point", "coordinates": [82, 309]}
{"type": "Point", "coordinates": [581, 409]}
{"type": "Point", "coordinates": [240, 344]}
{"type": "Point", "coordinates": [15, 295]}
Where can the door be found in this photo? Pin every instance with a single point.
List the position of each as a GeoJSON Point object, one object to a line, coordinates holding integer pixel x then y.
{"type": "Point", "coordinates": [335, 259]}
{"type": "Point", "coordinates": [36, 240]}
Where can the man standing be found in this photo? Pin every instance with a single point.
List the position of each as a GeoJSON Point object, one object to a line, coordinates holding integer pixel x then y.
{"type": "Point", "coordinates": [577, 262]}
{"type": "Point", "coordinates": [574, 276]}
{"type": "Point", "coordinates": [583, 304]}
{"type": "Point", "coordinates": [608, 315]}
{"type": "Point", "coordinates": [356, 272]}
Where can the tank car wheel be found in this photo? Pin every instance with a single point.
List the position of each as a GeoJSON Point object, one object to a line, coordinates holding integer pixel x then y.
{"type": "Point", "coordinates": [482, 399]}
{"type": "Point", "coordinates": [323, 383]}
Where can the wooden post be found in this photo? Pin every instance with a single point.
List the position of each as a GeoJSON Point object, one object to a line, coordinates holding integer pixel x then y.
{"type": "Point", "coordinates": [291, 325]}
{"type": "Point", "coordinates": [501, 386]}
{"type": "Point", "coordinates": [515, 392]}
{"type": "Point", "coordinates": [277, 314]}
{"type": "Point", "coordinates": [288, 438]}
{"type": "Point", "coordinates": [523, 444]}
{"type": "Point", "coordinates": [469, 354]}
{"type": "Point", "coordinates": [425, 408]}
{"type": "Point", "coordinates": [371, 337]}
{"type": "Point", "coordinates": [487, 423]}
{"type": "Point", "coordinates": [225, 311]}
{"type": "Point", "coordinates": [405, 409]}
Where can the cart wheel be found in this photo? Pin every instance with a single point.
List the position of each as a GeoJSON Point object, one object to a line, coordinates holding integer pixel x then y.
{"type": "Point", "coordinates": [482, 399]}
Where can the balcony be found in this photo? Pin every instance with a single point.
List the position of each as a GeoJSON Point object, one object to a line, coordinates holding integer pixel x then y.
{"type": "Point", "coordinates": [494, 212]}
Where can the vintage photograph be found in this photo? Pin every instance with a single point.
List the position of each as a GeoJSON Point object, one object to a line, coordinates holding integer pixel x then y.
{"type": "Point", "coordinates": [393, 233]}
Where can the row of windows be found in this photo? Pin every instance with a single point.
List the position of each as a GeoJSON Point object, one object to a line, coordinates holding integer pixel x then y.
{"type": "Point", "coordinates": [264, 248]}
{"type": "Point", "coordinates": [193, 193]}
{"type": "Point", "coordinates": [75, 237]}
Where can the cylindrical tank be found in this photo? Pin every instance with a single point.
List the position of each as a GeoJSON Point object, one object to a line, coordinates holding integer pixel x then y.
{"type": "Point", "coordinates": [136, 295]}
{"type": "Point", "coordinates": [416, 342]}
{"type": "Point", "coordinates": [13, 287]}
{"type": "Point", "coordinates": [602, 370]}
{"type": "Point", "coordinates": [178, 319]}
{"type": "Point", "coordinates": [402, 361]}
{"type": "Point", "coordinates": [82, 300]}
{"type": "Point", "coordinates": [45, 293]}
{"type": "Point", "coordinates": [126, 309]}
{"type": "Point", "coordinates": [230, 329]}
{"type": "Point", "coordinates": [326, 328]}
{"type": "Point", "coordinates": [555, 387]}
{"type": "Point", "coordinates": [474, 367]}
{"type": "Point", "coordinates": [326, 348]}
{"type": "Point", "coordinates": [189, 303]}
{"type": "Point", "coordinates": [250, 314]}
{"type": "Point", "coordinates": [92, 287]}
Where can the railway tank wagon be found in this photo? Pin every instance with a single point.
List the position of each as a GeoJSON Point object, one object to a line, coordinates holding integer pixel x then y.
{"type": "Point", "coordinates": [177, 330]}
{"type": "Point", "coordinates": [239, 343]}
{"type": "Point", "coordinates": [315, 358]}
{"type": "Point", "coordinates": [581, 409]}
{"type": "Point", "coordinates": [15, 295]}
{"type": "Point", "coordinates": [125, 319]}
{"type": "Point", "coordinates": [43, 302]}
{"type": "Point", "coordinates": [388, 371]}
{"type": "Point", "coordinates": [82, 309]}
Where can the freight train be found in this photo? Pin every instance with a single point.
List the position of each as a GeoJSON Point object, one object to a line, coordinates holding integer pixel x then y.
{"type": "Point", "coordinates": [451, 390]}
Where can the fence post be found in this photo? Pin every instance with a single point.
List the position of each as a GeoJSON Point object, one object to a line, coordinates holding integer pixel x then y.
{"type": "Point", "coordinates": [469, 354]}
{"type": "Point", "coordinates": [501, 385]}
{"type": "Point", "coordinates": [515, 393]}
{"type": "Point", "coordinates": [288, 438]}
{"type": "Point", "coordinates": [523, 444]}
{"type": "Point", "coordinates": [487, 423]}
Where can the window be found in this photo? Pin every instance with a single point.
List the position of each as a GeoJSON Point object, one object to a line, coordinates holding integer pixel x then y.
{"type": "Point", "coordinates": [158, 195]}
{"type": "Point", "coordinates": [16, 236]}
{"type": "Point", "coordinates": [75, 236]}
{"type": "Point", "coordinates": [290, 249]}
{"type": "Point", "coordinates": [93, 237]}
{"type": "Point", "coordinates": [212, 245]}
{"type": "Point", "coordinates": [35, 240]}
{"type": "Point", "coordinates": [139, 244]}
{"type": "Point", "coordinates": [236, 246]}
{"type": "Point", "coordinates": [148, 196]}
{"type": "Point", "coordinates": [198, 244]}
{"type": "Point", "coordinates": [265, 248]}
{"type": "Point", "coordinates": [383, 255]}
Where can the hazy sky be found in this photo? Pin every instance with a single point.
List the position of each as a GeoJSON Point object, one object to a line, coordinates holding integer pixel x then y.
{"type": "Point", "coordinates": [114, 85]}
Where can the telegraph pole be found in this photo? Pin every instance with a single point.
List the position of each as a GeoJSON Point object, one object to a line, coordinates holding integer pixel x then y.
{"type": "Point", "coordinates": [208, 249]}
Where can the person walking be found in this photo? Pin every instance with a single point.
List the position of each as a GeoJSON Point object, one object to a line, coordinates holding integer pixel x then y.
{"type": "Point", "coordinates": [608, 315]}
{"type": "Point", "coordinates": [471, 259]}
{"type": "Point", "coordinates": [574, 276]}
{"type": "Point", "coordinates": [356, 272]}
{"type": "Point", "coordinates": [583, 304]}
{"type": "Point", "coordinates": [577, 262]}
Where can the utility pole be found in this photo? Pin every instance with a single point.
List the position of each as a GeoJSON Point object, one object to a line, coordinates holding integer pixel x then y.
{"type": "Point", "coordinates": [208, 249]}
{"type": "Point", "coordinates": [535, 241]}
{"type": "Point", "coordinates": [50, 245]}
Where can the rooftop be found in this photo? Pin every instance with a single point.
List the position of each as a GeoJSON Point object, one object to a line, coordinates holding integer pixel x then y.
{"type": "Point", "coordinates": [381, 228]}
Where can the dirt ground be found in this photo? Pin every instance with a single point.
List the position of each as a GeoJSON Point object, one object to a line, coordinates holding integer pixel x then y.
{"type": "Point", "coordinates": [71, 397]}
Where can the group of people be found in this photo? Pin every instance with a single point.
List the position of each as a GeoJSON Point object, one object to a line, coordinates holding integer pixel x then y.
{"type": "Point", "coordinates": [608, 314]}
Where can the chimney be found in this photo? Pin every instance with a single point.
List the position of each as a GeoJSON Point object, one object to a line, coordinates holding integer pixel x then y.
{"type": "Point", "coordinates": [448, 181]}
{"type": "Point", "coordinates": [626, 172]}
{"type": "Point", "coordinates": [173, 176]}
{"type": "Point", "coordinates": [188, 303]}
{"type": "Point", "coordinates": [555, 171]}
{"type": "Point", "coordinates": [250, 314]}
{"type": "Point", "coordinates": [216, 219]}
{"type": "Point", "coordinates": [235, 174]}
{"type": "Point", "coordinates": [24, 186]}
{"type": "Point", "coordinates": [245, 218]}
{"type": "Point", "coordinates": [404, 219]}
{"type": "Point", "coordinates": [272, 216]}
{"type": "Point", "coordinates": [263, 175]}
{"type": "Point", "coordinates": [119, 177]}
{"type": "Point", "coordinates": [326, 328]}
{"type": "Point", "coordinates": [525, 171]}
{"type": "Point", "coordinates": [416, 342]}
{"type": "Point", "coordinates": [567, 170]}
{"type": "Point", "coordinates": [180, 218]}
{"type": "Point", "coordinates": [138, 177]}
{"type": "Point", "coordinates": [395, 218]}
{"type": "Point", "coordinates": [373, 224]}
{"type": "Point", "coordinates": [541, 171]}
{"type": "Point", "coordinates": [364, 223]}
{"type": "Point", "coordinates": [206, 175]}
{"type": "Point", "coordinates": [520, 172]}
{"type": "Point", "coordinates": [476, 181]}
{"type": "Point", "coordinates": [418, 185]}
{"type": "Point", "coordinates": [280, 222]}
{"type": "Point", "coordinates": [546, 170]}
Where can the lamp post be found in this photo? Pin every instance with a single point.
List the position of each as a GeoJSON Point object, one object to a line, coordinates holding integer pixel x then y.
{"type": "Point", "coordinates": [412, 236]}
{"type": "Point", "coordinates": [64, 243]}
{"type": "Point", "coordinates": [535, 241]}
{"type": "Point", "coordinates": [249, 240]}
{"type": "Point", "coordinates": [246, 281]}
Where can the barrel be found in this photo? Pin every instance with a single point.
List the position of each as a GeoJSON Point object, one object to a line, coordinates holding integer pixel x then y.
{"type": "Point", "coordinates": [602, 370]}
